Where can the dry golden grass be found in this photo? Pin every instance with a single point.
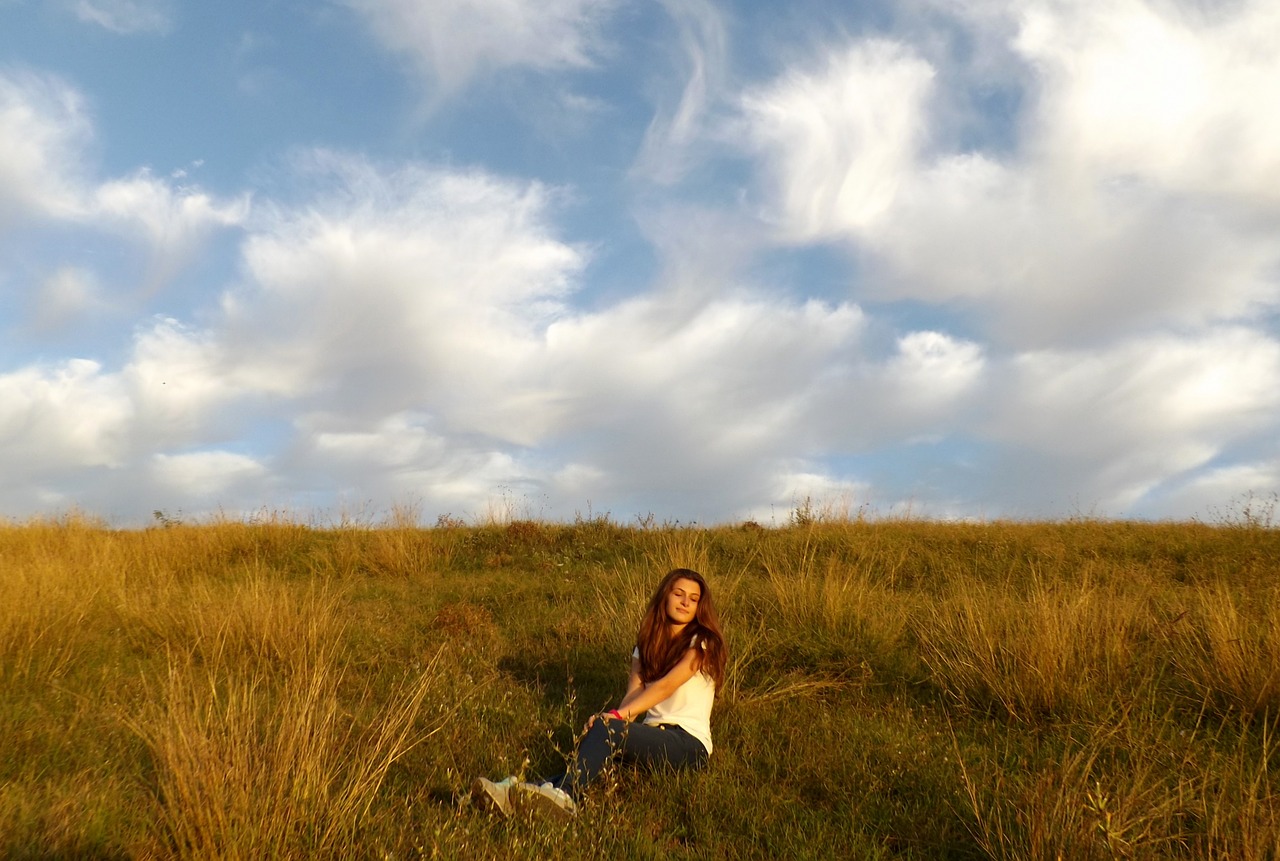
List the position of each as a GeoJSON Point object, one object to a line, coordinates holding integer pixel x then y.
{"type": "Point", "coordinates": [831, 597]}
{"type": "Point", "coordinates": [1229, 650]}
{"type": "Point", "coordinates": [272, 764]}
{"type": "Point", "coordinates": [1052, 651]}
{"type": "Point", "coordinates": [1135, 788]}
{"type": "Point", "coordinates": [272, 690]}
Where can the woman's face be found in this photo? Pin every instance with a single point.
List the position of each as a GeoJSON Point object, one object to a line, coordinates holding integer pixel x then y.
{"type": "Point", "coordinates": [682, 601]}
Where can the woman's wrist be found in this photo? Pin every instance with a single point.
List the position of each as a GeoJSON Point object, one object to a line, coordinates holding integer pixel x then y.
{"type": "Point", "coordinates": [614, 713]}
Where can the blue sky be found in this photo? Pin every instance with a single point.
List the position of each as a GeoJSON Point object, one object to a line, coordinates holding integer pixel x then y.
{"type": "Point", "coordinates": [705, 260]}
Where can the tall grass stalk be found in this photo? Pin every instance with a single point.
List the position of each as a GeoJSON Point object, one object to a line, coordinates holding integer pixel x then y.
{"type": "Point", "coordinates": [1231, 654]}
{"type": "Point", "coordinates": [1056, 650]}
{"type": "Point", "coordinates": [1240, 804]}
{"type": "Point", "coordinates": [255, 766]}
{"type": "Point", "coordinates": [1121, 792]}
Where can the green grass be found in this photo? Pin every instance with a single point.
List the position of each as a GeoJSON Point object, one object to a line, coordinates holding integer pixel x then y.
{"type": "Point", "coordinates": [1080, 690]}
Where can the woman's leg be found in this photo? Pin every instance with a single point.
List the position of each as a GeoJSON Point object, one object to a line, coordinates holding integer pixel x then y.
{"type": "Point", "coordinates": [658, 746]}
{"type": "Point", "coordinates": [595, 749]}
{"type": "Point", "coordinates": [632, 742]}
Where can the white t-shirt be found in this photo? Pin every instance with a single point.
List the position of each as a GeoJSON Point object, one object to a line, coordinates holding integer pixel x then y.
{"type": "Point", "coordinates": [689, 706]}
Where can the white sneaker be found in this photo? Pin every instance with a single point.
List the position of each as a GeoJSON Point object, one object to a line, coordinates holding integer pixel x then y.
{"type": "Point", "coordinates": [489, 795]}
{"type": "Point", "coordinates": [543, 799]}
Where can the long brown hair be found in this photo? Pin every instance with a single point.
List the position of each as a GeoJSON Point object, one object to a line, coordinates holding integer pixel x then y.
{"type": "Point", "coordinates": [660, 651]}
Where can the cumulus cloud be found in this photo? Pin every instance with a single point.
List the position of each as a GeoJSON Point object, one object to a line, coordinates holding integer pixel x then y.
{"type": "Point", "coordinates": [412, 327]}
{"type": "Point", "coordinates": [180, 381]}
{"type": "Point", "coordinates": [433, 306]}
{"type": "Point", "coordinates": [450, 41]}
{"type": "Point", "coordinates": [215, 473]}
{"type": "Point", "coordinates": [415, 284]}
{"type": "Point", "coordinates": [61, 418]}
{"type": "Point", "coordinates": [932, 370]}
{"type": "Point", "coordinates": [724, 378]}
{"type": "Point", "coordinates": [1235, 494]}
{"type": "Point", "coordinates": [405, 455]}
{"type": "Point", "coordinates": [407, 292]}
{"type": "Point", "coordinates": [1181, 95]}
{"type": "Point", "coordinates": [1049, 261]}
{"type": "Point", "coordinates": [169, 216]}
{"type": "Point", "coordinates": [1139, 191]}
{"type": "Point", "coordinates": [46, 178]}
{"type": "Point", "coordinates": [927, 385]}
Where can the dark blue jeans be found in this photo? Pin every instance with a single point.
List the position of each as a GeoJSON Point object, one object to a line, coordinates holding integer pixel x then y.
{"type": "Point", "coordinates": [634, 743]}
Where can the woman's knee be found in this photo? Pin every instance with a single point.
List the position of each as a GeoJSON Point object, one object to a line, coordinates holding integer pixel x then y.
{"type": "Point", "coordinates": [604, 732]}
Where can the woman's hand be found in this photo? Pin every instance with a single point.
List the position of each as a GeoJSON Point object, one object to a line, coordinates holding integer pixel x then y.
{"type": "Point", "coordinates": [612, 713]}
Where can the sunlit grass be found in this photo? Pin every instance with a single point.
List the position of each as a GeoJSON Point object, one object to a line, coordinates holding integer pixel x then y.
{"type": "Point", "coordinates": [895, 689]}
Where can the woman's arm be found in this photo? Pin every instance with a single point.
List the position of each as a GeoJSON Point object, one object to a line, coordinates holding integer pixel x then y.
{"type": "Point", "coordinates": [642, 697]}
{"type": "Point", "coordinates": [635, 684]}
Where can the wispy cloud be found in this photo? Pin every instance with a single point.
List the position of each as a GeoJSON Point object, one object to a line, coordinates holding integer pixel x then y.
{"type": "Point", "coordinates": [680, 124]}
{"type": "Point", "coordinates": [450, 41]}
{"type": "Point", "coordinates": [127, 17]}
{"type": "Point", "coordinates": [838, 141]}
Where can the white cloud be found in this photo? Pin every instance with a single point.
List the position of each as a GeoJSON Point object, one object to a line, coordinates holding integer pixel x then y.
{"type": "Point", "coordinates": [180, 382]}
{"type": "Point", "coordinates": [1052, 261]}
{"type": "Point", "coordinates": [401, 441]}
{"type": "Point", "coordinates": [451, 41]}
{"type": "Point", "coordinates": [403, 455]}
{"type": "Point", "coordinates": [1122, 421]}
{"type": "Point", "coordinates": [1140, 190]}
{"type": "Point", "coordinates": [793, 489]}
{"type": "Point", "coordinates": [418, 330]}
{"type": "Point", "coordinates": [931, 370]}
{"type": "Point", "coordinates": [686, 405]}
{"type": "Point", "coordinates": [410, 286]}
{"type": "Point", "coordinates": [172, 218]}
{"type": "Point", "coordinates": [59, 419]}
{"type": "Point", "coordinates": [839, 141]}
{"type": "Point", "coordinates": [214, 473]}
{"type": "Point", "coordinates": [44, 125]}
{"type": "Point", "coordinates": [172, 221]}
{"type": "Point", "coordinates": [395, 322]}
{"type": "Point", "coordinates": [127, 16]}
{"type": "Point", "coordinates": [46, 177]}
{"type": "Point", "coordinates": [723, 369]}
{"type": "Point", "coordinates": [1237, 494]}
{"type": "Point", "coordinates": [1185, 97]}
{"type": "Point", "coordinates": [1216, 385]}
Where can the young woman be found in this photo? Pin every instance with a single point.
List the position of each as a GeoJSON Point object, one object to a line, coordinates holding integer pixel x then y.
{"type": "Point", "coordinates": [677, 664]}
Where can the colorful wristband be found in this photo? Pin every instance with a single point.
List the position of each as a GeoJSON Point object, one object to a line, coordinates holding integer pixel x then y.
{"type": "Point", "coordinates": [616, 713]}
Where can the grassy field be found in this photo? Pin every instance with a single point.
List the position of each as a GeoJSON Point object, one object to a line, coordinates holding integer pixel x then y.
{"type": "Point", "coordinates": [1077, 690]}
